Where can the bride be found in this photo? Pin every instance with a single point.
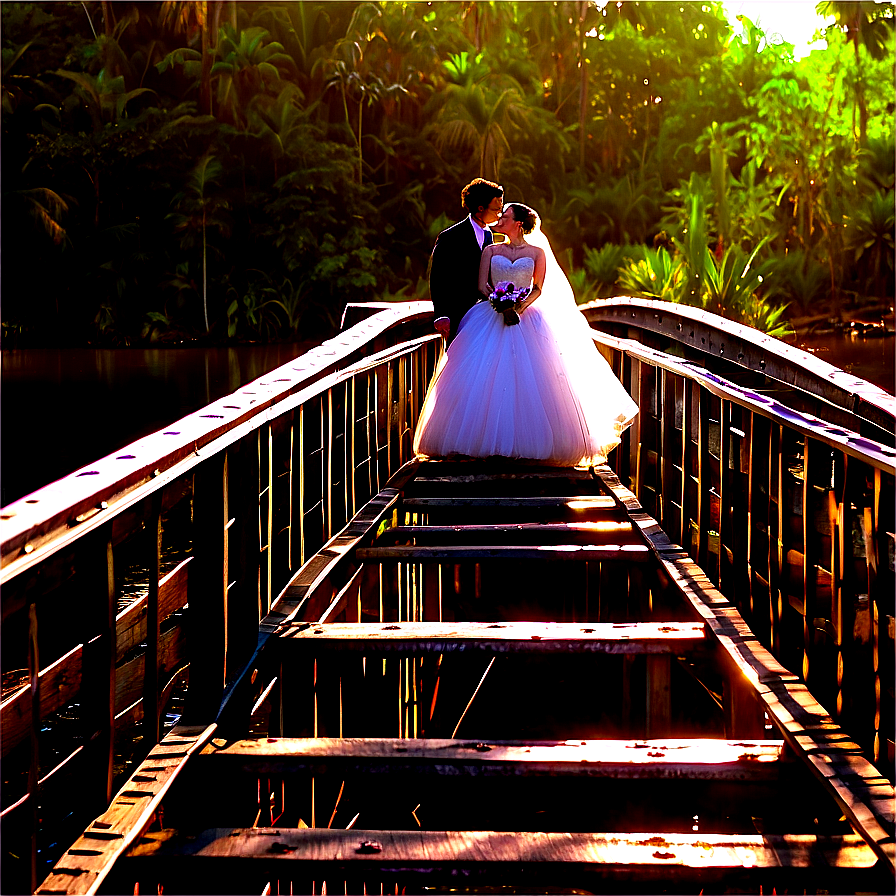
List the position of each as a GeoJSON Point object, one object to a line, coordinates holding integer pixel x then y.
{"type": "Point", "coordinates": [535, 390]}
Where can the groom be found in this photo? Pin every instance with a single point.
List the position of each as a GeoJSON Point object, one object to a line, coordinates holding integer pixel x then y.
{"type": "Point", "coordinates": [454, 267]}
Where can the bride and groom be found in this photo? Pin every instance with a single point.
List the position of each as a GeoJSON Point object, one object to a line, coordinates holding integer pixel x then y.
{"type": "Point", "coordinates": [532, 387]}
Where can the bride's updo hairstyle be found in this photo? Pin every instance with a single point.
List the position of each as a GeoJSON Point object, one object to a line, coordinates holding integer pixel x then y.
{"type": "Point", "coordinates": [525, 215]}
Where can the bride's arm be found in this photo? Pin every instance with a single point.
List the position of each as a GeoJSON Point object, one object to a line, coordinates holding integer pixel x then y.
{"type": "Point", "coordinates": [485, 264]}
{"type": "Point", "coordinates": [537, 281]}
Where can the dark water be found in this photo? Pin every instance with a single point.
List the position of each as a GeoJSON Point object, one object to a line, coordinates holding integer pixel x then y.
{"type": "Point", "coordinates": [63, 409]}
{"type": "Point", "coordinates": [871, 359]}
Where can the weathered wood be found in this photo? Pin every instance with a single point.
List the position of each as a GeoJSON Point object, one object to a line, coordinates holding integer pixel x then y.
{"type": "Point", "coordinates": [329, 851]}
{"type": "Point", "coordinates": [151, 695]}
{"type": "Point", "coordinates": [866, 799]}
{"type": "Point", "coordinates": [574, 502]}
{"type": "Point", "coordinates": [64, 511]}
{"type": "Point", "coordinates": [307, 593]}
{"type": "Point", "coordinates": [496, 638]}
{"type": "Point", "coordinates": [617, 531]}
{"type": "Point", "coordinates": [696, 759]}
{"type": "Point", "coordinates": [61, 680]}
{"type": "Point", "coordinates": [84, 866]}
{"type": "Point", "coordinates": [626, 553]}
{"type": "Point", "coordinates": [207, 590]}
{"type": "Point", "coordinates": [98, 676]}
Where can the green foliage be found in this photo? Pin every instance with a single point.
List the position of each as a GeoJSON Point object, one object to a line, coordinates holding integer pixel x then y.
{"type": "Point", "coordinates": [655, 275]}
{"type": "Point", "coordinates": [156, 163]}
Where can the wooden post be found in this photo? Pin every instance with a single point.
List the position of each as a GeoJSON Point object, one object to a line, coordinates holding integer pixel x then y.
{"type": "Point", "coordinates": [776, 524]}
{"type": "Point", "coordinates": [635, 471]}
{"type": "Point", "coordinates": [744, 717]}
{"type": "Point", "coordinates": [151, 706]}
{"type": "Point", "coordinates": [207, 590]}
{"type": "Point", "coordinates": [725, 494]}
{"type": "Point", "coordinates": [98, 676]}
{"type": "Point", "coordinates": [668, 489]}
{"type": "Point", "coordinates": [703, 483]}
{"type": "Point", "coordinates": [659, 696]}
{"type": "Point", "coordinates": [244, 595]}
{"type": "Point", "coordinates": [687, 510]}
{"type": "Point", "coordinates": [266, 513]}
{"type": "Point", "coordinates": [34, 758]}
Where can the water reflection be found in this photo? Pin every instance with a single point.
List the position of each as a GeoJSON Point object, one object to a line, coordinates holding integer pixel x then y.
{"type": "Point", "coordinates": [871, 359]}
{"type": "Point", "coordinates": [63, 409]}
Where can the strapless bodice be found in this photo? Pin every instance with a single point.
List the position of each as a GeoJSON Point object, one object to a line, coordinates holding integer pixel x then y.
{"type": "Point", "coordinates": [519, 272]}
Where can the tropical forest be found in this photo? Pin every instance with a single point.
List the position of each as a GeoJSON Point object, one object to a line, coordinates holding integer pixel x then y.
{"type": "Point", "coordinates": [219, 172]}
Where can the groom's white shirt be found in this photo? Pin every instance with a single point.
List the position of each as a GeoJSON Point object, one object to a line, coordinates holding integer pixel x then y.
{"type": "Point", "coordinates": [480, 238]}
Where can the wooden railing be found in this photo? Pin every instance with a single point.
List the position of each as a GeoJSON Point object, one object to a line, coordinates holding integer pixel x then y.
{"type": "Point", "coordinates": [746, 356]}
{"type": "Point", "coordinates": [233, 498]}
{"type": "Point", "coordinates": [791, 517]}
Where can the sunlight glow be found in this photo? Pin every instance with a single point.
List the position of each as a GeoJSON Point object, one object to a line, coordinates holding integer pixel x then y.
{"type": "Point", "coordinates": [794, 21]}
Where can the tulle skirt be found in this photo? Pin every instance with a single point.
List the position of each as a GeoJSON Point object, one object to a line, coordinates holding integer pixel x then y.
{"type": "Point", "coordinates": [539, 391]}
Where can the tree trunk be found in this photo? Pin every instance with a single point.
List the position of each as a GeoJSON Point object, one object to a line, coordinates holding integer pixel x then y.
{"type": "Point", "coordinates": [204, 289]}
{"type": "Point", "coordinates": [583, 82]}
{"type": "Point", "coordinates": [205, 92]}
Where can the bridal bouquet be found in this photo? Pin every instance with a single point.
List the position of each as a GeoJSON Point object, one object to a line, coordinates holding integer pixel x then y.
{"type": "Point", "coordinates": [503, 299]}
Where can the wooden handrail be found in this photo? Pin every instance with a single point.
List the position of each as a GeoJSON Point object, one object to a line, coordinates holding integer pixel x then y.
{"type": "Point", "coordinates": [77, 501]}
{"type": "Point", "coordinates": [266, 474]}
{"type": "Point", "coordinates": [706, 335]}
{"type": "Point", "coordinates": [791, 516]}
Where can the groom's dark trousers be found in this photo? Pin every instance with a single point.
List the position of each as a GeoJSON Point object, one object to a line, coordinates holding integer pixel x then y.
{"type": "Point", "coordinates": [454, 272]}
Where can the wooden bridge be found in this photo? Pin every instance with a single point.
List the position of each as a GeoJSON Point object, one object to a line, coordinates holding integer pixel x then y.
{"type": "Point", "coordinates": [742, 533]}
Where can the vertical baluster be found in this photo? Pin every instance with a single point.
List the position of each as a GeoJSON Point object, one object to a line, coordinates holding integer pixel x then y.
{"type": "Point", "coordinates": [207, 590]}
{"type": "Point", "coordinates": [244, 596]}
{"type": "Point", "coordinates": [634, 447]}
{"type": "Point", "coordinates": [303, 461]}
{"type": "Point", "coordinates": [354, 443]}
{"type": "Point", "coordinates": [151, 659]}
{"type": "Point", "coordinates": [775, 522]}
{"type": "Point", "coordinates": [686, 452]}
{"type": "Point", "coordinates": [703, 479]}
{"type": "Point", "coordinates": [725, 495]}
{"type": "Point", "coordinates": [327, 429]}
{"type": "Point", "coordinates": [759, 529]}
{"type": "Point", "coordinates": [402, 411]}
{"type": "Point", "coordinates": [98, 670]}
{"type": "Point", "coordinates": [667, 460]}
{"type": "Point", "coordinates": [347, 455]}
{"type": "Point", "coordinates": [293, 463]}
{"type": "Point", "coordinates": [34, 758]}
{"type": "Point", "coordinates": [266, 513]}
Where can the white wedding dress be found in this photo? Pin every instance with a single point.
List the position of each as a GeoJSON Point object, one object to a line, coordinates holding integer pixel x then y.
{"type": "Point", "coordinates": [538, 390]}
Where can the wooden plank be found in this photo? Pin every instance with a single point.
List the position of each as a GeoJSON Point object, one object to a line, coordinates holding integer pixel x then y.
{"type": "Point", "coordinates": [545, 533]}
{"type": "Point", "coordinates": [866, 799]}
{"type": "Point", "coordinates": [451, 472]}
{"type": "Point", "coordinates": [694, 759]}
{"type": "Point", "coordinates": [84, 866]}
{"type": "Point", "coordinates": [61, 680]}
{"type": "Point", "coordinates": [512, 637]}
{"type": "Point", "coordinates": [574, 502]}
{"type": "Point", "coordinates": [628, 553]}
{"type": "Point", "coordinates": [329, 851]}
{"type": "Point", "coordinates": [307, 593]}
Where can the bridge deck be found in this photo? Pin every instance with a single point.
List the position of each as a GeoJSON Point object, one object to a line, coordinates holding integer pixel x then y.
{"type": "Point", "coordinates": [390, 626]}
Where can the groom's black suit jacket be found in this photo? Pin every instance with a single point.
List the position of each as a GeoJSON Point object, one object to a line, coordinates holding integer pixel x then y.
{"type": "Point", "coordinates": [454, 272]}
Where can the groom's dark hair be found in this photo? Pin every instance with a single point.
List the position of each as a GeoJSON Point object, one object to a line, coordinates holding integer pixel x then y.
{"type": "Point", "coordinates": [480, 192]}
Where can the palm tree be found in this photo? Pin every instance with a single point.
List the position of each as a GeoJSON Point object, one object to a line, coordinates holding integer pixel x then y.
{"type": "Point", "coordinates": [868, 25]}
{"type": "Point", "coordinates": [196, 210]}
{"type": "Point", "coordinates": [477, 115]}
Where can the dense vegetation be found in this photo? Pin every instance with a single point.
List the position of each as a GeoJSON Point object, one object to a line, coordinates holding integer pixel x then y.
{"type": "Point", "coordinates": [217, 170]}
